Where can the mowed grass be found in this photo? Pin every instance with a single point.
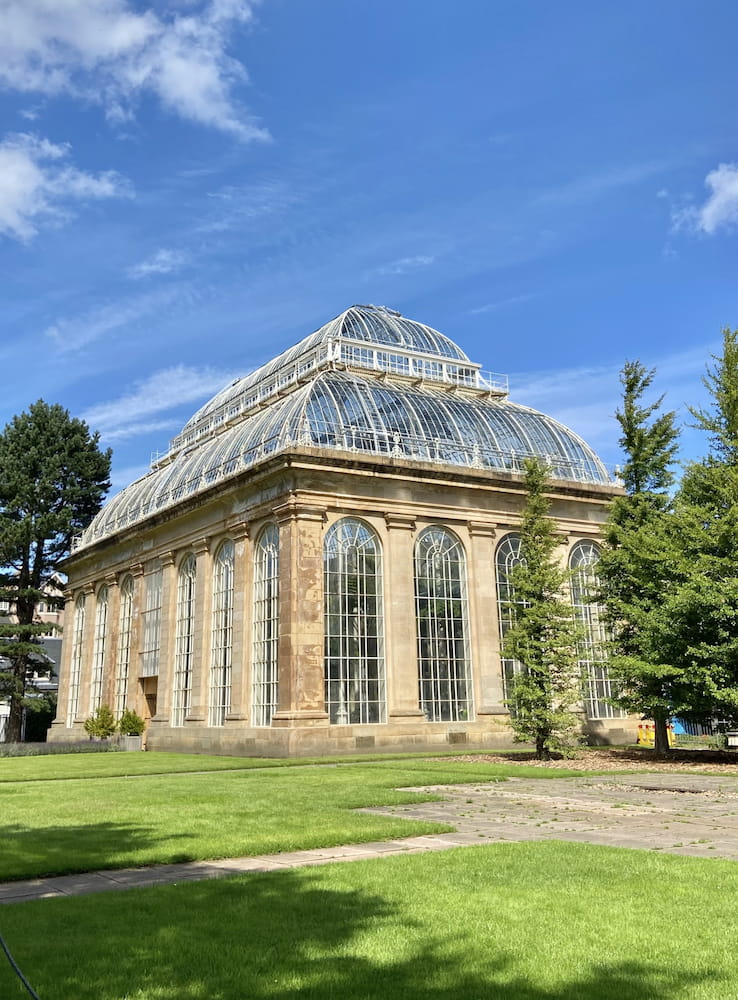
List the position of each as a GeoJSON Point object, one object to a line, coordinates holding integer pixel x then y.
{"type": "Point", "coordinates": [59, 826]}
{"type": "Point", "coordinates": [548, 921]}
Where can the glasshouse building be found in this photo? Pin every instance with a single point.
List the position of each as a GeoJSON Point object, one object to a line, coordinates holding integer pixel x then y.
{"type": "Point", "coordinates": [320, 561]}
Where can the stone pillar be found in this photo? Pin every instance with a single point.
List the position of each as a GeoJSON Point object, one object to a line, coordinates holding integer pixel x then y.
{"type": "Point", "coordinates": [401, 643]}
{"type": "Point", "coordinates": [301, 671]}
{"type": "Point", "coordinates": [65, 665]}
{"type": "Point", "coordinates": [111, 641]}
{"type": "Point", "coordinates": [134, 697]}
{"type": "Point", "coordinates": [88, 647]}
{"type": "Point", "coordinates": [242, 568]}
{"type": "Point", "coordinates": [201, 653]}
{"type": "Point", "coordinates": [167, 630]}
{"type": "Point", "coordinates": [484, 622]}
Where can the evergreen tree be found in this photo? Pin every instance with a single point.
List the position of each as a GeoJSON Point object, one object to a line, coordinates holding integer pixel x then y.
{"type": "Point", "coordinates": [544, 635]}
{"type": "Point", "coordinates": [638, 563]}
{"type": "Point", "coordinates": [700, 614]}
{"type": "Point", "coordinates": [53, 478]}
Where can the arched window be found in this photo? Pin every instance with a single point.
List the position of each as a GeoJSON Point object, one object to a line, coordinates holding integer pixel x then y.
{"type": "Point", "coordinates": [222, 646]}
{"type": "Point", "coordinates": [508, 556]}
{"type": "Point", "coordinates": [354, 629]}
{"type": "Point", "coordinates": [596, 681]}
{"type": "Point", "coordinates": [442, 627]}
{"type": "Point", "coordinates": [122, 666]}
{"type": "Point", "coordinates": [151, 621]}
{"type": "Point", "coordinates": [184, 649]}
{"type": "Point", "coordinates": [75, 666]}
{"type": "Point", "coordinates": [266, 625]}
{"type": "Point", "coordinates": [98, 653]}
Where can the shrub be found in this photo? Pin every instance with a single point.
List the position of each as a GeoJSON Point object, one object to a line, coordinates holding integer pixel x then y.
{"type": "Point", "coordinates": [102, 724]}
{"type": "Point", "coordinates": [131, 724]}
{"type": "Point", "coordinates": [44, 749]}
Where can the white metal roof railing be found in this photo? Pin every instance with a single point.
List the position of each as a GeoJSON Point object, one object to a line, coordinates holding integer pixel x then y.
{"type": "Point", "coordinates": [440, 450]}
{"type": "Point", "coordinates": [337, 352]}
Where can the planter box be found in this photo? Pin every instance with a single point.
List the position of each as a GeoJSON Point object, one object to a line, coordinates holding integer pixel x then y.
{"type": "Point", "coordinates": [130, 742]}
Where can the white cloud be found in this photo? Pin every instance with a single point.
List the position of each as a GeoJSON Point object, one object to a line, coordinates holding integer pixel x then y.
{"type": "Point", "coordinates": [720, 209]}
{"type": "Point", "coordinates": [37, 182]}
{"type": "Point", "coordinates": [590, 187]}
{"type": "Point", "coordinates": [72, 334]}
{"type": "Point", "coordinates": [501, 304]}
{"type": "Point", "coordinates": [162, 262]}
{"type": "Point", "coordinates": [405, 264]}
{"type": "Point", "coordinates": [109, 52]}
{"type": "Point", "coordinates": [161, 392]}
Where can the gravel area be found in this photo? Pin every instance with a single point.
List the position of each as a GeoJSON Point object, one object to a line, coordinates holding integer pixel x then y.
{"type": "Point", "coordinates": [704, 761]}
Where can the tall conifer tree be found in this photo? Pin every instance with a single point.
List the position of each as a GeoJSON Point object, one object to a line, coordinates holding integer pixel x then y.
{"type": "Point", "coordinates": [544, 635]}
{"type": "Point", "coordinates": [637, 564]}
{"type": "Point", "coordinates": [700, 614]}
{"type": "Point", "coordinates": [53, 478]}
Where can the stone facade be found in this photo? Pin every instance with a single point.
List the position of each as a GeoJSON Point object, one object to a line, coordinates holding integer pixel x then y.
{"type": "Point", "coordinates": [226, 619]}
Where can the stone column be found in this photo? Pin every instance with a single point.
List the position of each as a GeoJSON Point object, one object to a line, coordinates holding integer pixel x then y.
{"type": "Point", "coordinates": [134, 696]}
{"type": "Point", "coordinates": [201, 653]}
{"type": "Point", "coordinates": [301, 672]}
{"type": "Point", "coordinates": [111, 641]}
{"type": "Point", "coordinates": [239, 710]}
{"type": "Point", "coordinates": [88, 648]}
{"type": "Point", "coordinates": [167, 629]}
{"type": "Point", "coordinates": [65, 665]}
{"type": "Point", "coordinates": [401, 643]}
{"type": "Point", "coordinates": [484, 622]}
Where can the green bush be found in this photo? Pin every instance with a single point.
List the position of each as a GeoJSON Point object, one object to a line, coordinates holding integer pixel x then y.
{"type": "Point", "coordinates": [131, 724]}
{"type": "Point", "coordinates": [45, 749]}
{"type": "Point", "coordinates": [102, 724]}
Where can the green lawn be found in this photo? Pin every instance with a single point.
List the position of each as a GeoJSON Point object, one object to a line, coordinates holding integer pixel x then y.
{"type": "Point", "coordinates": [550, 921]}
{"type": "Point", "coordinates": [52, 827]}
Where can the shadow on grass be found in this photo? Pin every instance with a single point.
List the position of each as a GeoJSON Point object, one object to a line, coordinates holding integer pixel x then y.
{"type": "Point", "coordinates": [287, 934]}
{"type": "Point", "coordinates": [28, 852]}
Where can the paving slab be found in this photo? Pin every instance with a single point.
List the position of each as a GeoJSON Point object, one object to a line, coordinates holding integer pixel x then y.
{"type": "Point", "coordinates": [691, 815]}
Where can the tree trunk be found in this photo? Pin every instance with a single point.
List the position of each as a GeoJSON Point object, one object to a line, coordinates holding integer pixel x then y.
{"type": "Point", "coordinates": [542, 751]}
{"type": "Point", "coordinates": [661, 740]}
{"type": "Point", "coordinates": [14, 731]}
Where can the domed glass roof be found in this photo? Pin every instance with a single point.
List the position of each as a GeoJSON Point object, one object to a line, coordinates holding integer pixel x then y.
{"type": "Point", "coordinates": [369, 382]}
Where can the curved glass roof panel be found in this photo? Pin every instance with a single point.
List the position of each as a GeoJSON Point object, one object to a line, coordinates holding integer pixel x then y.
{"type": "Point", "coordinates": [349, 410]}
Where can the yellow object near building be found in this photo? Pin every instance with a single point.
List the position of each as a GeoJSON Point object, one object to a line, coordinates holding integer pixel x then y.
{"type": "Point", "coordinates": [647, 734]}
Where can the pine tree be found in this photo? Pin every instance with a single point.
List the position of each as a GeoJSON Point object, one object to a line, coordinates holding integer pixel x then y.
{"type": "Point", "coordinates": [700, 614]}
{"type": "Point", "coordinates": [638, 563]}
{"type": "Point", "coordinates": [53, 478]}
{"type": "Point", "coordinates": [544, 635]}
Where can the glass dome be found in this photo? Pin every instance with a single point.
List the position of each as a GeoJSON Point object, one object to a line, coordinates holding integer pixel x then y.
{"type": "Point", "coordinates": [429, 405]}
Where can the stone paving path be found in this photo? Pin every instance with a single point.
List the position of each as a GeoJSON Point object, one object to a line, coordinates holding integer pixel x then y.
{"type": "Point", "coordinates": [679, 813]}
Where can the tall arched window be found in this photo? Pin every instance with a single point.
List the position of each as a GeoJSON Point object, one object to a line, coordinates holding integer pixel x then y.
{"type": "Point", "coordinates": [222, 646]}
{"type": "Point", "coordinates": [442, 627]}
{"type": "Point", "coordinates": [596, 681]}
{"type": "Point", "coordinates": [354, 630]}
{"type": "Point", "coordinates": [185, 640]}
{"type": "Point", "coordinates": [151, 623]}
{"type": "Point", "coordinates": [122, 666]}
{"type": "Point", "coordinates": [75, 665]}
{"type": "Point", "coordinates": [98, 653]}
{"type": "Point", "coordinates": [266, 625]}
{"type": "Point", "coordinates": [507, 557]}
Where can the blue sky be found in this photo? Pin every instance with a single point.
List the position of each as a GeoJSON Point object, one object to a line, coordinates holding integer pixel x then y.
{"type": "Point", "coordinates": [189, 186]}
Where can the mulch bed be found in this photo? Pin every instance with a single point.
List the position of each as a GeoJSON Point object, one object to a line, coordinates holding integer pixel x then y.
{"type": "Point", "coordinates": [606, 759]}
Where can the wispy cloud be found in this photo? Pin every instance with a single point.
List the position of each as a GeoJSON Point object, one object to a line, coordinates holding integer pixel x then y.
{"type": "Point", "coordinates": [162, 262]}
{"type": "Point", "coordinates": [720, 208]}
{"type": "Point", "coordinates": [501, 304]}
{"type": "Point", "coordinates": [131, 415]}
{"type": "Point", "coordinates": [112, 52]}
{"type": "Point", "coordinates": [586, 398]}
{"type": "Point", "coordinates": [590, 187]}
{"type": "Point", "coordinates": [405, 264]}
{"type": "Point", "coordinates": [71, 334]}
{"type": "Point", "coordinates": [37, 184]}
